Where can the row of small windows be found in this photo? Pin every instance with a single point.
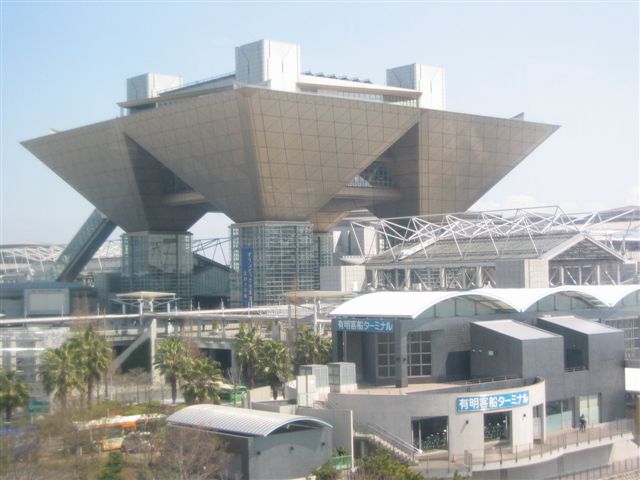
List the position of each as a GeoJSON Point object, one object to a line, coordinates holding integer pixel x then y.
{"type": "Point", "coordinates": [631, 328]}
{"type": "Point", "coordinates": [373, 97]}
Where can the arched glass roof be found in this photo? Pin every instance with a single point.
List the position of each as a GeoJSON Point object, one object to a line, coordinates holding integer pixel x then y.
{"type": "Point", "coordinates": [413, 304]}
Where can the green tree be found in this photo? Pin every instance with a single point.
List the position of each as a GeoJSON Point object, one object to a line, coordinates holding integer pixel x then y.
{"type": "Point", "coordinates": [201, 381]}
{"type": "Point", "coordinates": [382, 465]}
{"type": "Point", "coordinates": [13, 392]}
{"type": "Point", "coordinates": [172, 360]}
{"type": "Point", "coordinates": [326, 472]}
{"type": "Point", "coordinates": [60, 373]}
{"type": "Point", "coordinates": [312, 348]}
{"type": "Point", "coordinates": [93, 358]}
{"type": "Point", "coordinates": [112, 470]}
{"type": "Point", "coordinates": [247, 348]}
{"type": "Point", "coordinates": [274, 362]}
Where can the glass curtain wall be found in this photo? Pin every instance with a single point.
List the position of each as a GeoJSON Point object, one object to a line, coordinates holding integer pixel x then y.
{"type": "Point", "coordinates": [269, 259]}
{"type": "Point", "coordinates": [158, 262]}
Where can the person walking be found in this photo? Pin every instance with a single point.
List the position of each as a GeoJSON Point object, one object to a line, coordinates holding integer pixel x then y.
{"type": "Point", "coordinates": [583, 423]}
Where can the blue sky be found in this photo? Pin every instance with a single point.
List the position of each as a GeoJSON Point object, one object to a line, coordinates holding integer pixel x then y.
{"type": "Point", "coordinates": [573, 64]}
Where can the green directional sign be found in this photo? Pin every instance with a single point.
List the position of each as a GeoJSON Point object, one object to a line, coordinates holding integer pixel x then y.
{"type": "Point", "coordinates": [38, 406]}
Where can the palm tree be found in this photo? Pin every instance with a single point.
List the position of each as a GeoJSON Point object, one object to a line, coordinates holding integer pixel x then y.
{"type": "Point", "coordinates": [60, 372]}
{"type": "Point", "coordinates": [247, 347]}
{"type": "Point", "coordinates": [275, 364]}
{"type": "Point", "coordinates": [202, 381]}
{"type": "Point", "coordinates": [312, 348]}
{"type": "Point", "coordinates": [13, 392]}
{"type": "Point", "coordinates": [172, 359]}
{"type": "Point", "coordinates": [93, 356]}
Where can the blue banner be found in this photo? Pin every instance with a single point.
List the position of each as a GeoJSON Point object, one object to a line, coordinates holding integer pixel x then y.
{"type": "Point", "coordinates": [481, 403]}
{"type": "Point", "coordinates": [370, 326]}
{"type": "Point", "coordinates": [247, 279]}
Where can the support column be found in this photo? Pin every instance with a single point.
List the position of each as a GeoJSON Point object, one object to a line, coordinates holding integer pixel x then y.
{"type": "Point", "coordinates": [400, 340]}
{"type": "Point", "coordinates": [153, 333]}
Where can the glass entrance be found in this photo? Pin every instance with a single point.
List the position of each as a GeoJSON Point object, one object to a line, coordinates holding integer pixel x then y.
{"type": "Point", "coordinates": [497, 426]}
{"type": "Point", "coordinates": [430, 433]}
{"type": "Point", "coordinates": [590, 408]}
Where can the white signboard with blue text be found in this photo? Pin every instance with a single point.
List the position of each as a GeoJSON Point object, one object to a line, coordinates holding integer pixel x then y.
{"type": "Point", "coordinates": [480, 403]}
{"type": "Point", "coordinates": [370, 326]}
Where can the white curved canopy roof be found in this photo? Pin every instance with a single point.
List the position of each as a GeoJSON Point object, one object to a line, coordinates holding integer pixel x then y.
{"type": "Point", "coordinates": [240, 421]}
{"type": "Point", "coordinates": [393, 304]}
{"type": "Point", "coordinates": [412, 304]}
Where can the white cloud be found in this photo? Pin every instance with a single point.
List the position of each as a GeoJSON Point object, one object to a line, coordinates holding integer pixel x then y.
{"type": "Point", "coordinates": [568, 206]}
{"type": "Point", "coordinates": [633, 196]}
{"type": "Point", "coordinates": [512, 201]}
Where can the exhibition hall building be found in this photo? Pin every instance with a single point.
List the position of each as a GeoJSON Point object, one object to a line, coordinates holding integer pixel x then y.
{"type": "Point", "coordinates": [285, 154]}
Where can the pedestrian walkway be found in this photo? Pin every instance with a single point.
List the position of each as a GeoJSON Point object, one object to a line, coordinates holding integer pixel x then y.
{"type": "Point", "coordinates": [502, 456]}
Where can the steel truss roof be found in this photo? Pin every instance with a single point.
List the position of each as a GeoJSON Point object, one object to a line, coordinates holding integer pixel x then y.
{"type": "Point", "coordinates": [503, 230]}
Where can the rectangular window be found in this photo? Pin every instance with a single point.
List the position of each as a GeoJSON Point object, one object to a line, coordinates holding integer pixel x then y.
{"type": "Point", "coordinates": [386, 355]}
{"type": "Point", "coordinates": [560, 414]}
{"type": "Point", "coordinates": [419, 354]}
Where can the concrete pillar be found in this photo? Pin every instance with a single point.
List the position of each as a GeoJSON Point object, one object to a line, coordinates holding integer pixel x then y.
{"type": "Point", "coordinates": [153, 332]}
{"type": "Point", "coordinates": [400, 338]}
{"type": "Point", "coordinates": [316, 310]}
{"type": "Point", "coordinates": [637, 413]}
{"type": "Point", "coordinates": [12, 355]}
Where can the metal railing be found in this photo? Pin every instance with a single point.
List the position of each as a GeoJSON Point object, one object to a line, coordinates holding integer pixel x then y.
{"type": "Point", "coordinates": [391, 442]}
{"type": "Point", "coordinates": [194, 83]}
{"type": "Point", "coordinates": [556, 444]}
{"type": "Point", "coordinates": [474, 381]}
{"type": "Point", "coordinates": [581, 368]}
{"type": "Point", "coordinates": [496, 456]}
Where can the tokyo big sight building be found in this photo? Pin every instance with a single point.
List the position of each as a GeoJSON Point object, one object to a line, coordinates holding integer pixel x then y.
{"type": "Point", "coordinates": [286, 155]}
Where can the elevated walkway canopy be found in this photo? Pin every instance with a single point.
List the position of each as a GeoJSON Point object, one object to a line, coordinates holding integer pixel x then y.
{"type": "Point", "coordinates": [413, 304]}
